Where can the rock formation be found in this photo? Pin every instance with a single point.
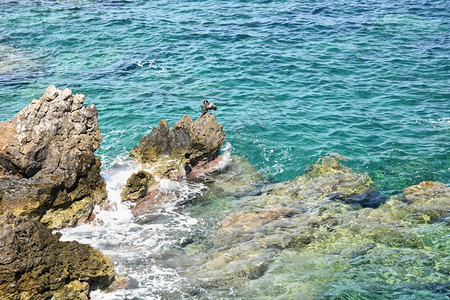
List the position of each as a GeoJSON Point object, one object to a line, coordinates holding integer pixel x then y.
{"type": "Point", "coordinates": [188, 142]}
{"type": "Point", "coordinates": [137, 185]}
{"type": "Point", "coordinates": [34, 264]}
{"type": "Point", "coordinates": [189, 148]}
{"type": "Point", "coordinates": [48, 170]}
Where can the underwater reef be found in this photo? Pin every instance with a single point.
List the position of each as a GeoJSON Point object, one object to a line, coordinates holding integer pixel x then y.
{"type": "Point", "coordinates": [328, 234]}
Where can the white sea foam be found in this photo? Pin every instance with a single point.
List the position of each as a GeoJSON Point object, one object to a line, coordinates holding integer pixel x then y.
{"type": "Point", "coordinates": [116, 177]}
{"type": "Point", "coordinates": [226, 158]}
{"type": "Point", "coordinates": [140, 246]}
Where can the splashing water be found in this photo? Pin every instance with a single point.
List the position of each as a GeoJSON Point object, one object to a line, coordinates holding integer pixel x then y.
{"type": "Point", "coordinates": [139, 246]}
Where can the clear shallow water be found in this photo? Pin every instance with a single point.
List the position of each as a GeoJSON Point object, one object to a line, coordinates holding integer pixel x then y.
{"type": "Point", "coordinates": [292, 82]}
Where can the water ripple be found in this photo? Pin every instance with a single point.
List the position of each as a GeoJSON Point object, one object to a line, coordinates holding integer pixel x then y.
{"type": "Point", "coordinates": [291, 80]}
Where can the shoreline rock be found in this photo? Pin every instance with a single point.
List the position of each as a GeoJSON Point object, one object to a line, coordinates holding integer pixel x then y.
{"type": "Point", "coordinates": [48, 169]}
{"type": "Point", "coordinates": [189, 150]}
{"type": "Point", "coordinates": [34, 264]}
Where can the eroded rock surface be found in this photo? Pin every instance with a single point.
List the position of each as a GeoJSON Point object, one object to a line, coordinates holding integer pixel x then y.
{"type": "Point", "coordinates": [34, 264]}
{"type": "Point", "coordinates": [190, 149]}
{"type": "Point", "coordinates": [48, 170]}
{"type": "Point", "coordinates": [188, 142]}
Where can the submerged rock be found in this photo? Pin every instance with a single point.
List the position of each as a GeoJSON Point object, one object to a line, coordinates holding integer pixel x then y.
{"type": "Point", "coordinates": [34, 264]}
{"type": "Point", "coordinates": [431, 198]}
{"type": "Point", "coordinates": [320, 224]}
{"type": "Point", "coordinates": [329, 178]}
{"type": "Point", "coordinates": [240, 179]}
{"type": "Point", "coordinates": [48, 170]}
{"type": "Point", "coordinates": [427, 201]}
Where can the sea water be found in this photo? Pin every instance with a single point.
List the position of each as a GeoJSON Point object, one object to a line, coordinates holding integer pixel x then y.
{"type": "Point", "coordinates": [292, 81]}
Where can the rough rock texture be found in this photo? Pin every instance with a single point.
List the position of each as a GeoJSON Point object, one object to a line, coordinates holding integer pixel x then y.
{"type": "Point", "coordinates": [34, 264]}
{"type": "Point", "coordinates": [188, 142]}
{"type": "Point", "coordinates": [137, 186]}
{"type": "Point", "coordinates": [288, 215]}
{"type": "Point", "coordinates": [48, 170]}
{"type": "Point", "coordinates": [189, 148]}
{"type": "Point", "coordinates": [429, 199]}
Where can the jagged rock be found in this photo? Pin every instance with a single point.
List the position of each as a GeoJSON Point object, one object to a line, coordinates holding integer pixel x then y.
{"type": "Point", "coordinates": [137, 185]}
{"type": "Point", "coordinates": [188, 142]}
{"type": "Point", "coordinates": [34, 264]}
{"type": "Point", "coordinates": [48, 170]}
{"type": "Point", "coordinates": [189, 148]}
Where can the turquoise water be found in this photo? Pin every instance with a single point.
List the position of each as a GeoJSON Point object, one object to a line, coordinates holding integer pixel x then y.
{"type": "Point", "coordinates": [292, 80]}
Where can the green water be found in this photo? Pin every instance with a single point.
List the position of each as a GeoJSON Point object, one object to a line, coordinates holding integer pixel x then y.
{"type": "Point", "coordinates": [292, 81]}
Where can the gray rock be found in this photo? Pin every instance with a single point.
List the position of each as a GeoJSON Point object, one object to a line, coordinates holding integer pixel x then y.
{"type": "Point", "coordinates": [48, 170]}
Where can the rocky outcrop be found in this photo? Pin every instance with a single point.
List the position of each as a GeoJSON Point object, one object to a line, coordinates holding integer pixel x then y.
{"type": "Point", "coordinates": [188, 143]}
{"type": "Point", "coordinates": [189, 148]}
{"type": "Point", "coordinates": [430, 200]}
{"type": "Point", "coordinates": [48, 170]}
{"type": "Point", "coordinates": [34, 264]}
{"type": "Point", "coordinates": [137, 186]}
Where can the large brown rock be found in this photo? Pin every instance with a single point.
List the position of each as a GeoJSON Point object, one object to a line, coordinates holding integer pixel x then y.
{"type": "Point", "coordinates": [48, 170]}
{"type": "Point", "coordinates": [189, 148]}
{"type": "Point", "coordinates": [188, 142]}
{"type": "Point", "coordinates": [34, 264]}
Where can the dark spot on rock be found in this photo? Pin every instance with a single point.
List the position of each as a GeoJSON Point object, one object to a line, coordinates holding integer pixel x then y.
{"type": "Point", "coordinates": [372, 199]}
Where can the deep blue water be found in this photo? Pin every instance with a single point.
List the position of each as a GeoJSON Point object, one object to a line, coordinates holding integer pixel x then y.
{"type": "Point", "coordinates": [292, 80]}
